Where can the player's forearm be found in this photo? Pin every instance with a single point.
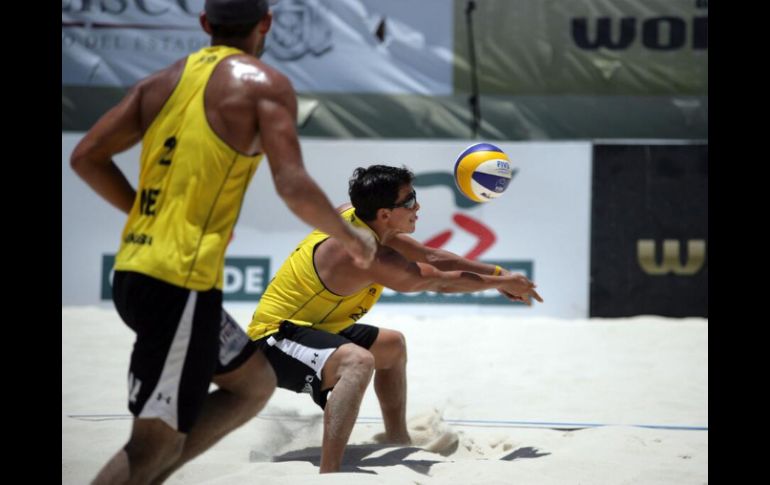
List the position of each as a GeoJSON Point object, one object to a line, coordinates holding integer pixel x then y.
{"type": "Point", "coordinates": [442, 259]}
{"type": "Point", "coordinates": [429, 278]}
{"type": "Point", "coordinates": [448, 261]}
{"type": "Point", "coordinates": [432, 279]}
{"type": "Point", "coordinates": [465, 282]}
{"type": "Point", "coordinates": [107, 180]}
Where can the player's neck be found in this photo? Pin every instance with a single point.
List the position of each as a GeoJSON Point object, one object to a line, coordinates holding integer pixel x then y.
{"type": "Point", "coordinates": [384, 233]}
{"type": "Point", "coordinates": [238, 44]}
{"type": "Point", "coordinates": [247, 44]}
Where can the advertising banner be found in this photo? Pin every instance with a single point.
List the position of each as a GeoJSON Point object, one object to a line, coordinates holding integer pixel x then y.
{"type": "Point", "coordinates": [649, 231]}
{"type": "Point", "coordinates": [590, 47]}
{"type": "Point", "coordinates": [353, 46]}
{"type": "Point", "coordinates": [365, 46]}
{"type": "Point", "coordinates": [540, 226]}
{"type": "Point", "coordinates": [547, 69]}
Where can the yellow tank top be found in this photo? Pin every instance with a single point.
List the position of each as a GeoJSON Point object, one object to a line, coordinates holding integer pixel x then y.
{"type": "Point", "coordinates": [191, 187]}
{"type": "Point", "coordinates": [296, 293]}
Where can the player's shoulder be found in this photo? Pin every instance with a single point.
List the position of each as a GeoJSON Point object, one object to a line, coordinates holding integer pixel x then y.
{"type": "Point", "coordinates": [163, 79]}
{"type": "Point", "coordinates": [342, 208]}
{"type": "Point", "coordinates": [259, 81]}
{"type": "Point", "coordinates": [332, 252]}
{"type": "Point", "coordinates": [255, 72]}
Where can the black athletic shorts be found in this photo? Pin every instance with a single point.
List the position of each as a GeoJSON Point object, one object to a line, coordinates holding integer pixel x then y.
{"type": "Point", "coordinates": [298, 354]}
{"type": "Point", "coordinates": [235, 346]}
{"type": "Point", "coordinates": [183, 338]}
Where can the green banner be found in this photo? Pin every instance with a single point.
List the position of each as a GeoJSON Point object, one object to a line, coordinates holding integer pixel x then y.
{"type": "Point", "coordinates": [245, 278]}
{"type": "Point", "coordinates": [606, 47]}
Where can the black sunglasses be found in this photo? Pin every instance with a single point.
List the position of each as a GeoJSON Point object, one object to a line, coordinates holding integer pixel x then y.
{"type": "Point", "coordinates": [408, 203]}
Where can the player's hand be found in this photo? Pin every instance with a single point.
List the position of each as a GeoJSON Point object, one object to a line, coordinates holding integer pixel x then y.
{"type": "Point", "coordinates": [519, 288]}
{"type": "Point", "coordinates": [505, 272]}
{"type": "Point", "coordinates": [362, 247]}
{"type": "Point", "coordinates": [508, 295]}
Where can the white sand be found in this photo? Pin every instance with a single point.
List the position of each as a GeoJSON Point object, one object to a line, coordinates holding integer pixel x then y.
{"type": "Point", "coordinates": [479, 387]}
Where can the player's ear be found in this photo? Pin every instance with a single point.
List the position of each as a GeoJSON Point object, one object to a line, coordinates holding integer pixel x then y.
{"type": "Point", "coordinates": [265, 23]}
{"type": "Point", "coordinates": [205, 23]}
{"type": "Point", "coordinates": [383, 214]}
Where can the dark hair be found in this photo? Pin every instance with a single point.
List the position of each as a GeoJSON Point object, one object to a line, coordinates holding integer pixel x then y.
{"type": "Point", "coordinates": [375, 188]}
{"type": "Point", "coordinates": [233, 31]}
{"type": "Point", "coordinates": [234, 18]}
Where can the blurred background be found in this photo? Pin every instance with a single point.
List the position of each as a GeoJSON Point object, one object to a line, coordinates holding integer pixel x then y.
{"type": "Point", "coordinates": [601, 106]}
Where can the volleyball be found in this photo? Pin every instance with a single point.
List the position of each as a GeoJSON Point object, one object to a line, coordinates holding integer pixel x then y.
{"type": "Point", "coordinates": [482, 172]}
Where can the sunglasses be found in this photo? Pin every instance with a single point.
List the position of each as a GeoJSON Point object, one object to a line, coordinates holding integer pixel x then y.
{"type": "Point", "coordinates": [408, 203]}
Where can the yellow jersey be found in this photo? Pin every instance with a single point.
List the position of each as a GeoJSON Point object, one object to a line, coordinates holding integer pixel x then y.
{"type": "Point", "coordinates": [297, 294]}
{"type": "Point", "coordinates": [191, 187]}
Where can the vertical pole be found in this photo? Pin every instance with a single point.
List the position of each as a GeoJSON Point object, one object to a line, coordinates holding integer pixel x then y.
{"type": "Point", "coordinates": [473, 99]}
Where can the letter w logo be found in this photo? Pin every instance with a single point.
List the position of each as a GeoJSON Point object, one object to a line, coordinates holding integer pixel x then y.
{"type": "Point", "coordinates": [604, 36]}
{"type": "Point", "coordinates": [671, 261]}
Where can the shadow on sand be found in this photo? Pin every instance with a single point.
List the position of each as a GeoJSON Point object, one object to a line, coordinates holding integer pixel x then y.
{"type": "Point", "coordinates": [357, 456]}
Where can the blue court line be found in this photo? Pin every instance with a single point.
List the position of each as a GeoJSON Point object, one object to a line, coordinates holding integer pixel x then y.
{"type": "Point", "coordinates": [100, 417]}
{"type": "Point", "coordinates": [550, 424]}
{"type": "Point", "coordinates": [462, 422]}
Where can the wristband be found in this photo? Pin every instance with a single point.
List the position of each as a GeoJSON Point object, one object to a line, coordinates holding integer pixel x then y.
{"type": "Point", "coordinates": [498, 271]}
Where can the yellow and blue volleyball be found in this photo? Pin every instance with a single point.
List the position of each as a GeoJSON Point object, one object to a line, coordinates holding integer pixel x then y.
{"type": "Point", "coordinates": [483, 172]}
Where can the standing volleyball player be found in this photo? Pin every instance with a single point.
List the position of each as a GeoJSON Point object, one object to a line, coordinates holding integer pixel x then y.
{"type": "Point", "coordinates": [307, 319]}
{"type": "Point", "coordinates": [204, 123]}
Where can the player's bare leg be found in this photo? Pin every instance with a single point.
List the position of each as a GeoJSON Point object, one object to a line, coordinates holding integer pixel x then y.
{"type": "Point", "coordinates": [349, 370]}
{"type": "Point", "coordinates": [389, 352]}
{"type": "Point", "coordinates": [152, 448]}
{"type": "Point", "coordinates": [242, 393]}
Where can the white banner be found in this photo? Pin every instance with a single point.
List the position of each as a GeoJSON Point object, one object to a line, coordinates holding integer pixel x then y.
{"type": "Point", "coordinates": [354, 46]}
{"type": "Point", "coordinates": [541, 225]}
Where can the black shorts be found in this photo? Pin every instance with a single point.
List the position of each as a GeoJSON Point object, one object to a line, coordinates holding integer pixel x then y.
{"type": "Point", "coordinates": [235, 346]}
{"type": "Point", "coordinates": [177, 349]}
{"type": "Point", "coordinates": [298, 354]}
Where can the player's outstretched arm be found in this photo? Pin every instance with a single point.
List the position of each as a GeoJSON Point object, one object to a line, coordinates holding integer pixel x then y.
{"type": "Point", "coordinates": [393, 270]}
{"type": "Point", "coordinates": [449, 261]}
{"type": "Point", "coordinates": [442, 259]}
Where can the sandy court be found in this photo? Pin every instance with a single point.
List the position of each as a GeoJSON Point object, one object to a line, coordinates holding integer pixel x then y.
{"type": "Point", "coordinates": [491, 399]}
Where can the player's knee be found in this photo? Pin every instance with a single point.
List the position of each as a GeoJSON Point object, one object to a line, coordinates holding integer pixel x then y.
{"type": "Point", "coordinates": [358, 360]}
{"type": "Point", "coordinates": [400, 346]}
{"type": "Point", "coordinates": [393, 348]}
{"type": "Point", "coordinates": [350, 362]}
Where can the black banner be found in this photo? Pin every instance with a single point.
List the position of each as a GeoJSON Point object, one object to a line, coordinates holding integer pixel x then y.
{"type": "Point", "coordinates": [649, 234]}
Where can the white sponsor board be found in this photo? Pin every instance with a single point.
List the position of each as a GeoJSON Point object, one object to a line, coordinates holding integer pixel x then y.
{"type": "Point", "coordinates": [543, 218]}
{"type": "Point", "coordinates": [355, 46]}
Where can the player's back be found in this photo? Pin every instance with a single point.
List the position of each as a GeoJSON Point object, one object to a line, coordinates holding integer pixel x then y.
{"type": "Point", "coordinates": [192, 179]}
